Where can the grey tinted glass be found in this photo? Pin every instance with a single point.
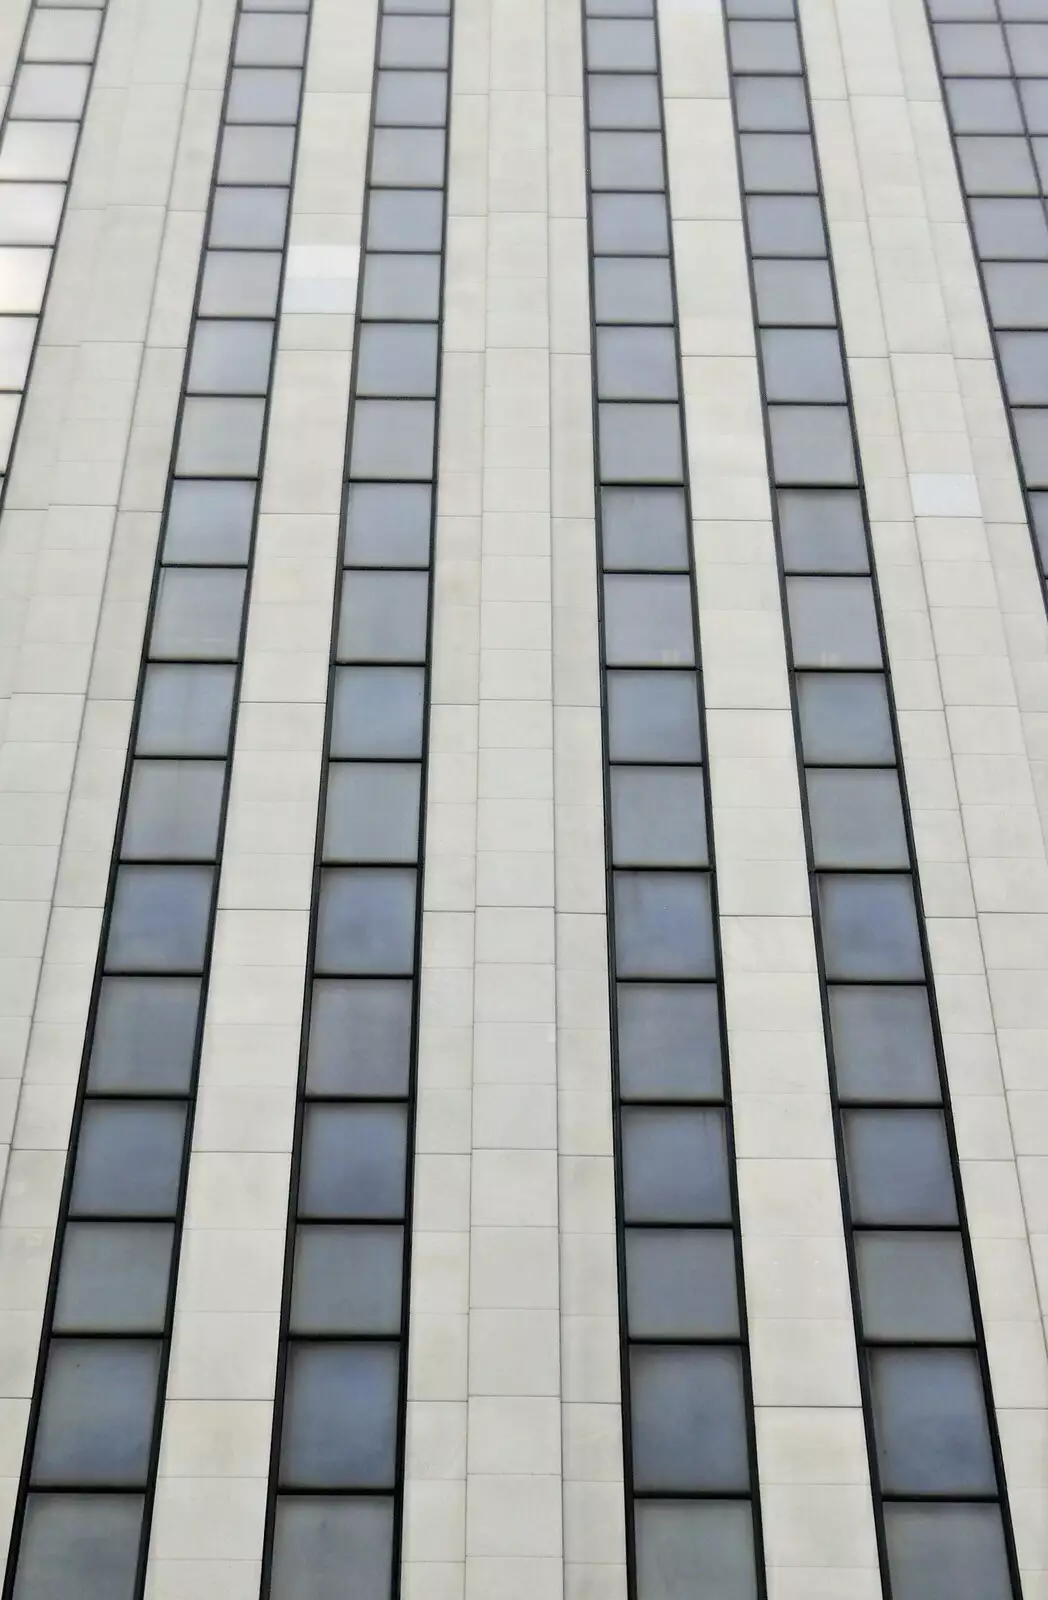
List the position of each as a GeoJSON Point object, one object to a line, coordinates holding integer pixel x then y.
{"type": "Point", "coordinates": [822, 531]}
{"type": "Point", "coordinates": [256, 155]}
{"type": "Point", "coordinates": [318, 1541]}
{"type": "Point", "coordinates": [913, 1286]}
{"type": "Point", "coordinates": [230, 358]}
{"type": "Point", "coordinates": [1031, 428]}
{"type": "Point", "coordinates": [270, 41]}
{"type": "Point", "coordinates": [674, 1166]}
{"type": "Point", "coordinates": [185, 710]}
{"type": "Point", "coordinates": [129, 1159]}
{"type": "Point", "coordinates": [411, 97]}
{"type": "Point", "coordinates": [630, 224]}
{"type": "Point", "coordinates": [628, 100]}
{"type": "Point", "coordinates": [681, 1284]}
{"type": "Point", "coordinates": [632, 290]}
{"type": "Point", "coordinates": [1034, 94]}
{"type": "Point", "coordinates": [209, 522]}
{"type": "Point", "coordinates": [648, 622]}
{"type": "Point", "coordinates": [644, 529]}
{"type": "Point", "coordinates": [662, 925]}
{"type": "Point", "coordinates": [797, 292]}
{"type": "Point", "coordinates": [996, 165]}
{"type": "Point", "coordinates": [688, 1415]}
{"type": "Point", "coordinates": [947, 1552]}
{"type": "Point", "coordinates": [388, 523]}
{"type": "Point", "coordinates": [197, 615]}
{"type": "Point", "coordinates": [832, 622]}
{"type": "Point", "coordinates": [844, 718]}
{"type": "Point", "coordinates": [240, 283]}
{"type": "Point", "coordinates": [782, 225]}
{"type": "Point", "coordinates": [1014, 230]}
{"type": "Point", "coordinates": [1029, 47]}
{"type": "Point", "coordinates": [383, 616]}
{"type": "Point", "coordinates": [614, 46]}
{"type": "Point", "coordinates": [377, 711]}
{"type": "Point", "coordinates": [627, 161]}
{"type": "Point", "coordinates": [414, 42]}
{"type": "Point", "coordinates": [771, 103]}
{"type": "Point", "coordinates": [764, 47]}
{"type": "Point", "coordinates": [173, 810]}
{"type": "Point", "coordinates": [856, 819]}
{"type": "Point", "coordinates": [94, 1536]}
{"type": "Point", "coordinates": [802, 364]}
{"type": "Point", "coordinates": [372, 812]}
{"type": "Point", "coordinates": [397, 359]}
{"type": "Point", "coordinates": [96, 1416]}
{"type": "Point", "coordinates": [360, 1036]}
{"type": "Point", "coordinates": [340, 1416]}
{"type": "Point", "coordinates": [972, 50]}
{"type": "Point", "coordinates": [983, 105]}
{"type": "Point", "coordinates": [930, 1422]}
{"type": "Point", "coordinates": [812, 444]}
{"type": "Point", "coordinates": [653, 716]}
{"type": "Point", "coordinates": [658, 817]}
{"type": "Point", "coordinates": [114, 1277]}
{"type": "Point", "coordinates": [249, 219]}
{"type": "Point", "coordinates": [408, 158]}
{"type": "Point", "coordinates": [1018, 294]}
{"type": "Point", "coordinates": [669, 1041]}
{"type": "Point", "coordinates": [393, 439]}
{"type": "Point", "coordinates": [145, 1032]}
{"type": "Point", "coordinates": [347, 1280]}
{"type": "Point", "coordinates": [869, 927]}
{"type": "Point", "coordinates": [353, 1161]}
{"type": "Point", "coordinates": [636, 364]}
{"type": "Point", "coordinates": [263, 94]}
{"type": "Point", "coordinates": [640, 443]}
{"type": "Point", "coordinates": [883, 1044]}
{"type": "Point", "coordinates": [220, 437]}
{"type": "Point", "coordinates": [1023, 357]}
{"type": "Point", "coordinates": [159, 919]}
{"type": "Point", "coordinates": [405, 220]}
{"type": "Point", "coordinates": [778, 163]}
{"type": "Point", "coordinates": [686, 1548]}
{"type": "Point", "coordinates": [367, 920]}
{"type": "Point", "coordinates": [899, 1168]}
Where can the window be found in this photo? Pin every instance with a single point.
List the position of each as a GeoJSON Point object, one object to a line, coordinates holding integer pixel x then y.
{"type": "Point", "coordinates": [869, 927]}
{"type": "Point", "coordinates": [856, 819]}
{"type": "Point", "coordinates": [899, 1168]}
{"type": "Point", "coordinates": [658, 817]}
{"type": "Point", "coordinates": [410, 98]}
{"type": "Point", "coordinates": [318, 1540]}
{"type": "Point", "coordinates": [96, 1417]}
{"type": "Point", "coordinates": [624, 101]}
{"type": "Point", "coordinates": [778, 163]}
{"type": "Point", "coordinates": [947, 1552]}
{"type": "Point", "coordinates": [159, 919]}
{"type": "Point", "coordinates": [627, 161]}
{"type": "Point", "coordinates": [883, 1044]}
{"type": "Point", "coordinates": [681, 1284]}
{"type": "Point", "coordinates": [776, 104]}
{"type": "Point", "coordinates": [340, 1416]}
{"type": "Point", "coordinates": [129, 1159]}
{"type": "Point", "coordinates": [643, 529]}
{"type": "Point", "coordinates": [674, 1166]}
{"type": "Point", "coordinates": [377, 711]}
{"type": "Point", "coordinates": [640, 443]}
{"type": "Point", "coordinates": [648, 621]}
{"type": "Point", "coordinates": [388, 524]}
{"type": "Point", "coordinates": [620, 46]}
{"type": "Point", "coordinates": [663, 927]}
{"type": "Point", "coordinates": [366, 920]}
{"type": "Point", "coordinates": [414, 42]}
{"type": "Point", "coordinates": [822, 530]}
{"type": "Point", "coordinates": [653, 716]}
{"type": "Point", "coordinates": [230, 357]}
{"type": "Point", "coordinates": [764, 47]}
{"type": "Point", "coordinates": [688, 1547]}
{"type": "Point", "coordinates": [802, 364]}
{"type": "Point", "coordinates": [636, 364]}
{"type": "Point", "coordinates": [409, 158]}
{"type": "Point", "coordinates": [393, 439]}
{"type": "Point", "coordinates": [832, 622]}
{"type": "Point", "coordinates": [785, 225]}
{"type": "Point", "coordinates": [930, 1422]}
{"type": "Point", "coordinates": [397, 360]}
{"type": "Point", "coordinates": [185, 710]}
{"type": "Point", "coordinates": [198, 615]}
{"type": "Point", "coordinates": [630, 225]}
{"type": "Point", "coordinates": [688, 1419]}
{"type": "Point", "coordinates": [347, 1280]}
{"type": "Point", "coordinates": [797, 292]}
{"type": "Point", "coordinates": [353, 1161]}
{"type": "Point", "coordinates": [812, 444]}
{"type": "Point", "coordinates": [913, 1287]}
{"type": "Point", "coordinates": [360, 1037]}
{"type": "Point", "coordinates": [405, 220]}
{"type": "Point", "coordinates": [633, 290]}
{"type": "Point", "coordinates": [144, 1037]}
{"type": "Point", "coordinates": [173, 810]}
{"type": "Point", "coordinates": [669, 1041]}
{"type": "Point", "coordinates": [220, 438]}
{"type": "Point", "coordinates": [114, 1277]}
{"type": "Point", "coordinates": [96, 1536]}
{"type": "Point", "coordinates": [383, 617]}
{"type": "Point", "coordinates": [372, 812]}
{"type": "Point", "coordinates": [209, 522]}
{"type": "Point", "coordinates": [844, 719]}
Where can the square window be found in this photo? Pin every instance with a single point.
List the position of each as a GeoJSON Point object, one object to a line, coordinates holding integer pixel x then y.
{"type": "Point", "coordinates": [97, 1536]}
{"type": "Point", "coordinates": [114, 1277]}
{"type": "Point", "coordinates": [372, 811]}
{"type": "Point", "coordinates": [159, 919]}
{"type": "Point", "coordinates": [802, 364]}
{"type": "Point", "coordinates": [627, 161]}
{"type": "Point", "coordinates": [414, 41]}
{"type": "Point", "coordinates": [844, 719]}
{"type": "Point", "coordinates": [388, 524]}
{"type": "Point", "coordinates": [264, 94]}
{"type": "Point", "coordinates": [778, 163]}
{"type": "Point", "coordinates": [674, 1166]}
{"type": "Point", "coordinates": [185, 710]}
{"type": "Point", "coordinates": [691, 1547]}
{"type": "Point", "coordinates": [408, 158]}
{"type": "Point", "coordinates": [653, 716]}
{"type": "Point", "coordinates": [1034, 95]}
{"type": "Point", "coordinates": [621, 46]}
{"type": "Point", "coordinates": [96, 1414]}
{"type": "Point", "coordinates": [812, 444]}
{"type": "Point", "coordinates": [393, 439]}
{"type": "Point", "coordinates": [681, 1284]}
{"type": "Point", "coordinates": [347, 1280]}
{"type": "Point", "coordinates": [772, 105]}
{"type": "Point", "coordinates": [636, 364]}
{"type": "Point", "coordinates": [173, 811]}
{"type": "Point", "coordinates": [406, 219]}
{"type": "Point", "coordinates": [128, 1159]}
{"type": "Point", "coordinates": [822, 530]}
{"type": "Point", "coordinates": [63, 34]}
{"type": "Point", "coordinates": [198, 614]}
{"type": "Point", "coordinates": [658, 817]}
{"type": "Point", "coordinates": [785, 225]}
{"type": "Point", "coordinates": [630, 225]}
{"type": "Point", "coordinates": [30, 213]}
{"type": "Point", "coordinates": [209, 522]}
{"type": "Point", "coordinates": [632, 290]}
{"type": "Point", "coordinates": [377, 711]}
{"type": "Point", "coordinates": [913, 1287]}
{"type": "Point", "coordinates": [23, 279]}
{"type": "Point", "coordinates": [383, 616]}
{"type": "Point", "coordinates": [764, 47]}
{"type": "Point", "coordinates": [354, 1161]}
{"type": "Point", "coordinates": [972, 50]}
{"type": "Point", "coordinates": [38, 150]}
{"type": "Point", "coordinates": [996, 165]}
{"type": "Point", "coordinates": [256, 155]}
{"type": "Point", "coordinates": [1023, 362]}
{"type": "Point", "coordinates": [340, 1416]}
{"type": "Point", "coordinates": [794, 292]}
{"type": "Point", "coordinates": [397, 359]}
{"type": "Point", "coordinates": [317, 1541]}
{"type": "Point", "coordinates": [663, 925]}
{"type": "Point", "coordinates": [648, 622]}
{"type": "Point", "coordinates": [688, 1416]}
{"type": "Point", "coordinates": [947, 1552]}
{"type": "Point", "coordinates": [411, 99]}
{"type": "Point", "coordinates": [1031, 431]}
{"type": "Point", "coordinates": [1018, 294]}
{"type": "Point", "coordinates": [624, 100]}
{"type": "Point", "coordinates": [1011, 230]}
{"type": "Point", "coordinates": [646, 529]}
{"type": "Point", "coordinates": [929, 1412]}
{"type": "Point", "coordinates": [833, 622]}
{"type": "Point", "coordinates": [366, 921]}
{"type": "Point", "coordinates": [869, 927]}
{"type": "Point", "coordinates": [248, 219]}
{"type": "Point", "coordinates": [220, 438]}
{"type": "Point", "coordinates": [145, 1036]}
{"type": "Point", "coordinates": [983, 105]}
{"type": "Point", "coordinates": [899, 1171]}
{"type": "Point", "coordinates": [270, 41]}
{"type": "Point", "coordinates": [17, 342]}
{"type": "Point", "coordinates": [230, 357]}
{"type": "Point", "coordinates": [1028, 43]}
{"type": "Point", "coordinates": [360, 1037]}
{"type": "Point", "coordinates": [240, 283]}
{"type": "Point", "coordinates": [669, 1041]}
{"type": "Point", "coordinates": [640, 443]}
{"type": "Point", "coordinates": [401, 288]}
{"type": "Point", "coordinates": [856, 819]}
{"type": "Point", "coordinates": [50, 91]}
{"type": "Point", "coordinates": [883, 1043]}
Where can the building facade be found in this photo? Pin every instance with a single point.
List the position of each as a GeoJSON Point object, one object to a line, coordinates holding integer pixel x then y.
{"type": "Point", "coordinates": [524, 799]}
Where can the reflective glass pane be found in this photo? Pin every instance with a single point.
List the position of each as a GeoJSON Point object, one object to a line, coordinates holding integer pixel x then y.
{"type": "Point", "coordinates": [653, 716]}
{"type": "Point", "coordinates": [778, 163]}
{"type": "Point", "coordinates": [930, 1424]}
{"type": "Point", "coordinates": [972, 50]}
{"type": "Point", "coordinates": [640, 443]}
{"type": "Point", "coordinates": [388, 523]}
{"type": "Point", "coordinates": [240, 283]}
{"type": "Point", "coordinates": [270, 40]}
{"type": "Point", "coordinates": [249, 219]}
{"type": "Point", "coordinates": [1010, 229]}
{"type": "Point", "coordinates": [408, 158]}
{"type": "Point", "coordinates": [340, 1416]}
{"type": "Point", "coordinates": [30, 213]}
{"type": "Point", "coordinates": [993, 165]}
{"type": "Point", "coordinates": [797, 292]}
{"type": "Point", "coordinates": [785, 225]}
{"type": "Point", "coordinates": [114, 1277]}
{"type": "Point", "coordinates": [405, 219]}
{"type": "Point", "coordinates": [347, 1280]}
{"type": "Point", "coordinates": [383, 616]}
{"type": "Point", "coordinates": [632, 290]}
{"type": "Point", "coordinates": [812, 444]}
{"type": "Point", "coordinates": [626, 161]}
{"type": "Point", "coordinates": [377, 711]}
{"type": "Point", "coordinates": [129, 1159]}
{"type": "Point", "coordinates": [38, 150]}
{"type": "Point", "coordinates": [822, 531]}
{"type": "Point", "coordinates": [359, 1036]}
{"type": "Point", "coordinates": [627, 100]}
{"type": "Point", "coordinates": [663, 926]}
{"type": "Point", "coordinates": [669, 1041]}
{"type": "Point", "coordinates": [145, 1034]}
{"type": "Point", "coordinates": [317, 1541]}
{"type": "Point", "coordinates": [764, 47]}
{"type": "Point", "coordinates": [94, 1536]}
{"type": "Point", "coordinates": [630, 224]}
{"type": "Point", "coordinates": [96, 1415]}
{"type": "Point", "coordinates": [264, 94]}
{"type": "Point", "coordinates": [620, 46]}
{"type": "Point", "coordinates": [1018, 293]}
{"type": "Point", "coordinates": [397, 359]}
{"type": "Point", "coordinates": [636, 364]}
{"type": "Point", "coordinates": [353, 1161]}
{"type": "Point", "coordinates": [173, 810]}
{"type": "Point", "coordinates": [209, 522]}
{"type": "Point", "coordinates": [643, 530]}
{"type": "Point", "coordinates": [648, 622]}
{"type": "Point", "coordinates": [844, 718]}
{"type": "Point", "coordinates": [674, 1166]}
{"type": "Point", "coordinates": [681, 1284]}
{"type": "Point", "coordinates": [688, 1416]}
{"type": "Point", "coordinates": [833, 622]}
{"type": "Point", "coordinates": [414, 42]}
{"type": "Point", "coordinates": [802, 364]}
{"type": "Point", "coordinates": [406, 98]}
{"type": "Point", "coordinates": [220, 437]}
{"type": "Point", "coordinates": [899, 1168]}
{"type": "Point", "coordinates": [393, 439]}
{"type": "Point", "coordinates": [856, 819]}
{"type": "Point", "coordinates": [658, 817]}
{"type": "Point", "coordinates": [367, 920]}
{"type": "Point", "coordinates": [983, 105]}
{"type": "Point", "coordinates": [372, 811]}
{"type": "Point", "coordinates": [160, 919]}
{"type": "Point", "coordinates": [913, 1286]}
{"type": "Point", "coordinates": [50, 91]}
{"type": "Point", "coordinates": [687, 1548]}
{"type": "Point", "coordinates": [947, 1552]}
{"type": "Point", "coordinates": [869, 927]}
{"type": "Point", "coordinates": [256, 155]}
{"type": "Point", "coordinates": [185, 710]}
{"type": "Point", "coordinates": [883, 1044]}
{"type": "Point", "coordinates": [230, 357]}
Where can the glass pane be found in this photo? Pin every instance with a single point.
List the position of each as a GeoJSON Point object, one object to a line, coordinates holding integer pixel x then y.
{"type": "Point", "coordinates": [366, 921]}
{"type": "Point", "coordinates": [869, 928]}
{"type": "Point", "coordinates": [414, 42]}
{"type": "Point", "coordinates": [318, 1541]}
{"type": "Point", "coordinates": [984, 105]}
{"type": "Point", "coordinates": [230, 357]}
{"type": "Point", "coordinates": [822, 531]}
{"type": "Point", "coordinates": [384, 616]}
{"type": "Point", "coordinates": [653, 716]}
{"type": "Point", "coordinates": [264, 94]}
{"type": "Point", "coordinates": [353, 1161]}
{"type": "Point", "coordinates": [249, 219]}
{"type": "Point", "coordinates": [347, 1280]}
{"type": "Point", "coordinates": [220, 437]}
{"type": "Point", "coordinates": [643, 529]}
{"type": "Point", "coordinates": [270, 41]}
{"type": "Point", "coordinates": [764, 47]}
{"type": "Point", "coordinates": [389, 523]}
{"type": "Point", "coordinates": [992, 165]}
{"type": "Point", "coordinates": [96, 1415]}
{"type": "Point", "coordinates": [38, 150]}
{"type": "Point", "coordinates": [833, 622]}
{"type": "Point", "coordinates": [688, 1416]}
{"type": "Point", "coordinates": [419, 98]}
{"type": "Point", "coordinates": [393, 439]}
{"type": "Point", "coordinates": [632, 290]}
{"type": "Point", "coordinates": [658, 817]}
{"type": "Point", "coordinates": [856, 819]}
{"type": "Point", "coordinates": [802, 364]}
{"type": "Point", "coordinates": [397, 359]}
{"type": "Point", "coordinates": [913, 1286]}
{"type": "Point", "coordinates": [160, 919]}
{"type": "Point", "coordinates": [688, 1548]}
{"type": "Point", "coordinates": [626, 161]}
{"type": "Point", "coordinates": [797, 292]}
{"type": "Point", "coordinates": [173, 810]}
{"type": "Point", "coordinates": [17, 338]}
{"type": "Point", "coordinates": [929, 1416]}
{"type": "Point", "coordinates": [674, 1166]}
{"type": "Point", "coordinates": [972, 50]}
{"type": "Point", "coordinates": [947, 1552]}
{"type": "Point", "coordinates": [377, 711]}
{"type": "Point", "coordinates": [145, 1035]}
{"type": "Point", "coordinates": [669, 1041]}
{"type": "Point", "coordinates": [899, 1168]}
{"type": "Point", "coordinates": [372, 812]}
{"type": "Point", "coordinates": [185, 710]}
{"type": "Point", "coordinates": [629, 100]}
{"type": "Point", "coordinates": [240, 283]}
{"type": "Point", "coordinates": [812, 444]}
{"type": "Point", "coordinates": [359, 1037]}
{"type": "Point", "coordinates": [128, 1159]}
{"type": "Point", "coordinates": [640, 443]}
{"type": "Point", "coordinates": [636, 364]}
{"type": "Point", "coordinates": [772, 104]}
{"type": "Point", "coordinates": [30, 213]}
{"type": "Point", "coordinates": [50, 91]}
{"type": "Point", "coordinates": [614, 46]}
{"type": "Point", "coordinates": [681, 1284]}
{"type": "Point", "coordinates": [209, 522]}
{"type": "Point", "coordinates": [630, 224]}
{"type": "Point", "coordinates": [405, 220]}
{"type": "Point", "coordinates": [785, 225]}
{"type": "Point", "coordinates": [114, 1277]}
{"type": "Point", "coordinates": [1022, 358]}
{"type": "Point", "coordinates": [340, 1416]}
{"type": "Point", "coordinates": [663, 925]}
{"type": "Point", "coordinates": [778, 163]}
{"type": "Point", "coordinates": [844, 718]}
{"type": "Point", "coordinates": [648, 622]}
{"type": "Point", "coordinates": [1018, 294]}
{"type": "Point", "coordinates": [409, 158]}
{"type": "Point", "coordinates": [1012, 229]}
{"type": "Point", "coordinates": [883, 1045]}
{"type": "Point", "coordinates": [94, 1536]}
